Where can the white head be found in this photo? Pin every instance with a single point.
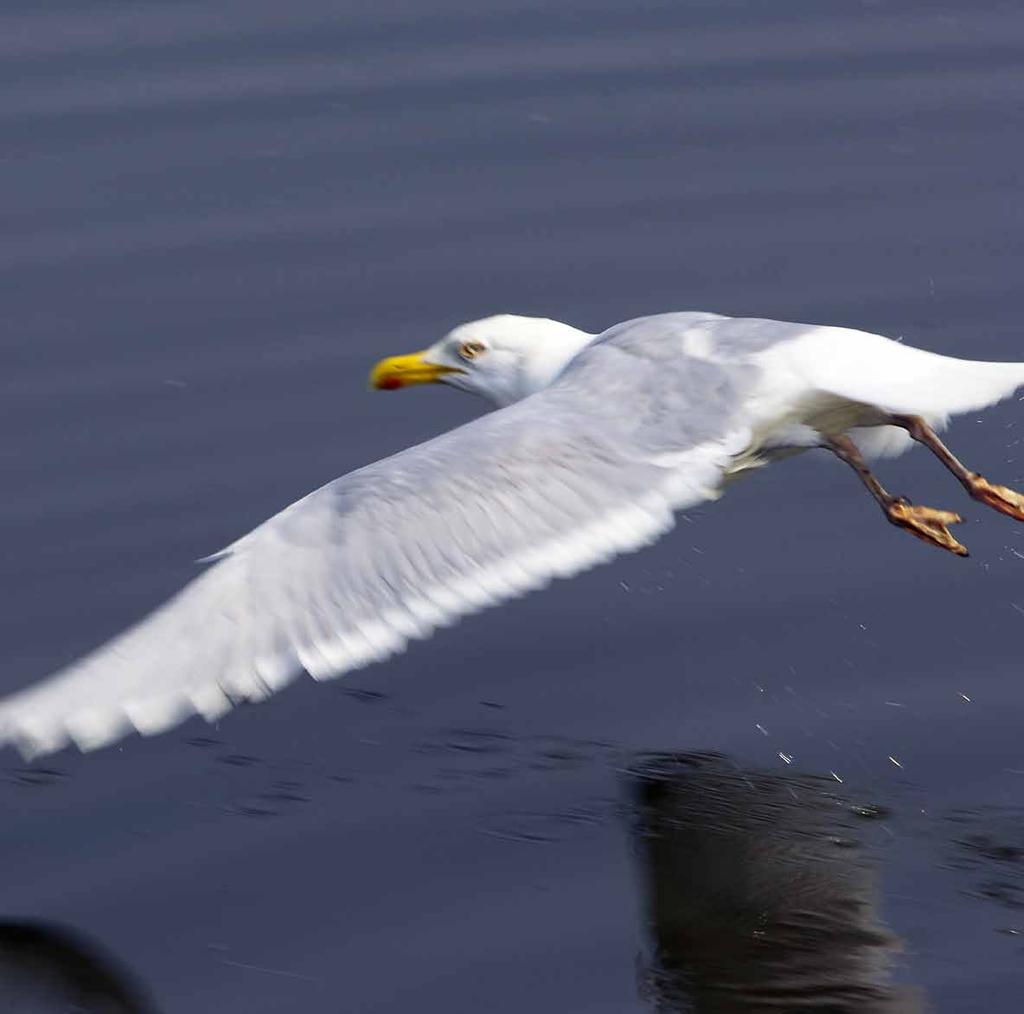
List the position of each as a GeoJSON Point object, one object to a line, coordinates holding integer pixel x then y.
{"type": "Point", "coordinates": [502, 358]}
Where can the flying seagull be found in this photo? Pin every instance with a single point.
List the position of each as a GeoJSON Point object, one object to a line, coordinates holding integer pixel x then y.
{"type": "Point", "coordinates": [597, 441]}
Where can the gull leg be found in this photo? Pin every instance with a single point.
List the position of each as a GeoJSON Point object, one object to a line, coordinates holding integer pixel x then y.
{"type": "Point", "coordinates": [1000, 498]}
{"type": "Point", "coordinates": [925, 523]}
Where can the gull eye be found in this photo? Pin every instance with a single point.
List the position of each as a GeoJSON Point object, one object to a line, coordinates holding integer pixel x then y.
{"type": "Point", "coordinates": [470, 350]}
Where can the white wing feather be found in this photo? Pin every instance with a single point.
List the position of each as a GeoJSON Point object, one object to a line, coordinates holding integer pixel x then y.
{"type": "Point", "coordinates": [349, 574]}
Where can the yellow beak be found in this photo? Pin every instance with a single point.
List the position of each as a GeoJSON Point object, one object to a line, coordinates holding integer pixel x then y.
{"type": "Point", "coordinates": [402, 371]}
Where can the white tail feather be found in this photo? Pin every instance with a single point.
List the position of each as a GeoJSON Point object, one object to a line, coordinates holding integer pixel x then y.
{"type": "Point", "coordinates": [877, 371]}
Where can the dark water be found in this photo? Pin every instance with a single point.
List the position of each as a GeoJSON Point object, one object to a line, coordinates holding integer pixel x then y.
{"type": "Point", "coordinates": [216, 216]}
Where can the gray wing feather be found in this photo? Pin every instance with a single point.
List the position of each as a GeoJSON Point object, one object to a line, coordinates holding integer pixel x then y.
{"type": "Point", "coordinates": [591, 467]}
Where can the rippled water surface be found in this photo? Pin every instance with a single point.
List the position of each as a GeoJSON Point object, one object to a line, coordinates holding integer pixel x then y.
{"type": "Point", "coordinates": [217, 215]}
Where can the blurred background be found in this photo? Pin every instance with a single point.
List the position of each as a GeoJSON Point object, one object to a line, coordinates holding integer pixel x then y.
{"type": "Point", "coordinates": [218, 215]}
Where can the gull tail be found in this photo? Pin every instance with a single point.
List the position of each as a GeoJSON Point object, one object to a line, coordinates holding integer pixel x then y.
{"type": "Point", "coordinates": [964, 385]}
{"type": "Point", "coordinates": [944, 387]}
{"type": "Point", "coordinates": [895, 378]}
{"type": "Point", "coordinates": [907, 381]}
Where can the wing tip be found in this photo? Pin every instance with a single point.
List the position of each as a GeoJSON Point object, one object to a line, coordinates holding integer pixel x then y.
{"type": "Point", "coordinates": [36, 730]}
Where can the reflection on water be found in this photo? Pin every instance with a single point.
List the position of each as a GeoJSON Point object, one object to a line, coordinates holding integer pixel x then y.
{"type": "Point", "coordinates": [47, 969]}
{"type": "Point", "coordinates": [759, 894]}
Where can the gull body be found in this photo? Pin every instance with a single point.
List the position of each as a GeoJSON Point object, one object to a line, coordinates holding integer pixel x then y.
{"type": "Point", "coordinates": [809, 380]}
{"type": "Point", "coordinates": [597, 441]}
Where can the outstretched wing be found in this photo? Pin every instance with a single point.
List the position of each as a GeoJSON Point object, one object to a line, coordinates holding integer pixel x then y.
{"type": "Point", "coordinates": [591, 467]}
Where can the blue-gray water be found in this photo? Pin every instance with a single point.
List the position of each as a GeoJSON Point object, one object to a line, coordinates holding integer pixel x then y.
{"type": "Point", "coordinates": [217, 215]}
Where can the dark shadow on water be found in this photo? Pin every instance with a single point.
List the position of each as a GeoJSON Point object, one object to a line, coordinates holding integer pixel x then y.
{"type": "Point", "coordinates": [759, 892]}
{"type": "Point", "coordinates": [47, 969]}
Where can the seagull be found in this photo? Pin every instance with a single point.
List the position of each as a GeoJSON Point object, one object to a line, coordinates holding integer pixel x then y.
{"type": "Point", "coordinates": [596, 443]}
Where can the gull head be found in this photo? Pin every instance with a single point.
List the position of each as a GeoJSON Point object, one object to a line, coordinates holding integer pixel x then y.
{"type": "Point", "coordinates": [502, 358]}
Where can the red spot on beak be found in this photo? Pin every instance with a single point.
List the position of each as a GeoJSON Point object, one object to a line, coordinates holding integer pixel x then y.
{"type": "Point", "coordinates": [390, 384]}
